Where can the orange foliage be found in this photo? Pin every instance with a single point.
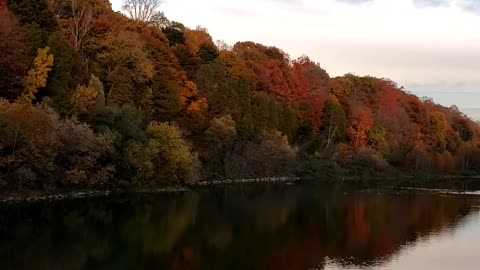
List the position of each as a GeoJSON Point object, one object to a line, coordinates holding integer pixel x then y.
{"type": "Point", "coordinates": [361, 122]}
{"type": "Point", "coordinates": [196, 38]}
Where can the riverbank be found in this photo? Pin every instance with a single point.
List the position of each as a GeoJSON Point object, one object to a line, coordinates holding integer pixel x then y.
{"type": "Point", "coordinates": [7, 197]}
{"type": "Point", "coordinates": [405, 183]}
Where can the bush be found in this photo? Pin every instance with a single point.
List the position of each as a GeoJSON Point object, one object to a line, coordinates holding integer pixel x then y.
{"type": "Point", "coordinates": [364, 161]}
{"type": "Point", "coordinates": [270, 156]}
{"type": "Point", "coordinates": [38, 149]}
{"type": "Point", "coordinates": [317, 169]}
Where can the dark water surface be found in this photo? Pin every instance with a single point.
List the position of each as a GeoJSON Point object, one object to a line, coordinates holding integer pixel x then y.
{"type": "Point", "coordinates": [246, 227]}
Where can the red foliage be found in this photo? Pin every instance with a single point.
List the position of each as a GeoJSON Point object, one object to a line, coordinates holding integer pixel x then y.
{"type": "Point", "coordinates": [361, 122]}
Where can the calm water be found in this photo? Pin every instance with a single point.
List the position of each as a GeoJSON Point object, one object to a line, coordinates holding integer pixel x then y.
{"type": "Point", "coordinates": [246, 227]}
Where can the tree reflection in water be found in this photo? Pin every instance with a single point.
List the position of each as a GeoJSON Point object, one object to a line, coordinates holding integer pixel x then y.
{"type": "Point", "coordinates": [234, 227]}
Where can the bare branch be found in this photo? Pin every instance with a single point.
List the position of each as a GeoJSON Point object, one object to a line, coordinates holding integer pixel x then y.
{"type": "Point", "coordinates": [141, 10]}
{"type": "Point", "coordinates": [81, 23]}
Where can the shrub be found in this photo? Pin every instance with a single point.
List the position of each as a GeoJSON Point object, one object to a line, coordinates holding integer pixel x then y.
{"type": "Point", "coordinates": [270, 156]}
{"type": "Point", "coordinates": [38, 149]}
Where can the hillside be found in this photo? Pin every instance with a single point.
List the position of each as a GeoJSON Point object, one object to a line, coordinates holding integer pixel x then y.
{"type": "Point", "coordinates": [91, 98]}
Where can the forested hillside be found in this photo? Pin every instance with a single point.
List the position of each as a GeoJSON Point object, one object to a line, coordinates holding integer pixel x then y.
{"type": "Point", "coordinates": [93, 98]}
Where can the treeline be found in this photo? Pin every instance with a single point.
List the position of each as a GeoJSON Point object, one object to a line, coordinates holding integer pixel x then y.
{"type": "Point", "coordinates": [91, 97]}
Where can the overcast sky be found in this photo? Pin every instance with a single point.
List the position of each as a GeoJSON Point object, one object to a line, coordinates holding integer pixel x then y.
{"type": "Point", "coordinates": [432, 47]}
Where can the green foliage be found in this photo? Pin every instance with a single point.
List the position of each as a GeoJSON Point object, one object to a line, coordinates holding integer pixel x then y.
{"type": "Point", "coordinates": [270, 156]}
{"type": "Point", "coordinates": [125, 124]}
{"type": "Point", "coordinates": [377, 138]}
{"type": "Point", "coordinates": [265, 114]}
{"type": "Point", "coordinates": [318, 169]}
{"type": "Point", "coordinates": [217, 144]}
{"type": "Point", "coordinates": [174, 35]}
{"type": "Point", "coordinates": [35, 12]}
{"type": "Point", "coordinates": [65, 70]}
{"type": "Point", "coordinates": [207, 53]}
{"type": "Point", "coordinates": [288, 123]}
{"type": "Point", "coordinates": [334, 122]}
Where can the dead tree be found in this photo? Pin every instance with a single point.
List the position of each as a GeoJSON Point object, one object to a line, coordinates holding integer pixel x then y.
{"type": "Point", "coordinates": [141, 10]}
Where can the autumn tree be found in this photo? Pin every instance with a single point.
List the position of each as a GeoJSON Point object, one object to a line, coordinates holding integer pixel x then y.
{"type": "Point", "coordinates": [156, 93]}
{"type": "Point", "coordinates": [126, 68]}
{"type": "Point", "coordinates": [437, 130]}
{"type": "Point", "coordinates": [40, 148]}
{"type": "Point", "coordinates": [37, 76]}
{"type": "Point", "coordinates": [360, 124]}
{"type": "Point", "coordinates": [165, 156]}
{"type": "Point", "coordinates": [17, 59]}
{"type": "Point", "coordinates": [88, 99]}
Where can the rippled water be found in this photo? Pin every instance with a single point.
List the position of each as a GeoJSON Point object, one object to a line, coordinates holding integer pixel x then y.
{"type": "Point", "coordinates": [246, 227]}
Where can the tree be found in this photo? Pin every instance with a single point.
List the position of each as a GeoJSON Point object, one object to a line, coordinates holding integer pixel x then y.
{"type": "Point", "coordinates": [218, 141]}
{"type": "Point", "coordinates": [437, 130]}
{"type": "Point", "coordinates": [17, 59]}
{"type": "Point", "coordinates": [38, 74]}
{"type": "Point", "coordinates": [41, 148]}
{"type": "Point", "coordinates": [377, 139]}
{"type": "Point", "coordinates": [35, 12]}
{"type": "Point", "coordinates": [141, 10]}
{"type": "Point", "coordinates": [334, 122]}
{"type": "Point", "coordinates": [207, 53]}
{"type": "Point", "coordinates": [164, 156]}
{"type": "Point", "coordinates": [161, 21]}
{"type": "Point", "coordinates": [80, 23]}
{"type": "Point", "coordinates": [88, 99]}
{"type": "Point", "coordinates": [270, 156]}
{"type": "Point", "coordinates": [126, 66]}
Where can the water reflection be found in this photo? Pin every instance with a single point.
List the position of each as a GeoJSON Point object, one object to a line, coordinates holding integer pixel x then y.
{"type": "Point", "coordinates": [244, 227]}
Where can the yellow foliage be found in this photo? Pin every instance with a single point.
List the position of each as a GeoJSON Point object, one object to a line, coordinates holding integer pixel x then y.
{"type": "Point", "coordinates": [86, 98]}
{"type": "Point", "coordinates": [37, 76]}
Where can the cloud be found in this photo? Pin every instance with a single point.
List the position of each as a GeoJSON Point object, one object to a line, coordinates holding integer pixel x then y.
{"type": "Point", "coordinates": [431, 3]}
{"type": "Point", "coordinates": [354, 1]}
{"type": "Point", "coordinates": [470, 5]}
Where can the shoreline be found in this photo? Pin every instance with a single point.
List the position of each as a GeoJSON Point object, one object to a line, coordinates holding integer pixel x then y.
{"type": "Point", "coordinates": [58, 195]}
{"type": "Point", "coordinates": [11, 197]}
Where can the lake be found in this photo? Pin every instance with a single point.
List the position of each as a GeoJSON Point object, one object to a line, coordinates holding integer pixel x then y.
{"type": "Point", "coordinates": [258, 226]}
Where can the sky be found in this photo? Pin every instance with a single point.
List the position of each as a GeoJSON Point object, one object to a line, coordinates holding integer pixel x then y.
{"type": "Point", "coordinates": [431, 47]}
